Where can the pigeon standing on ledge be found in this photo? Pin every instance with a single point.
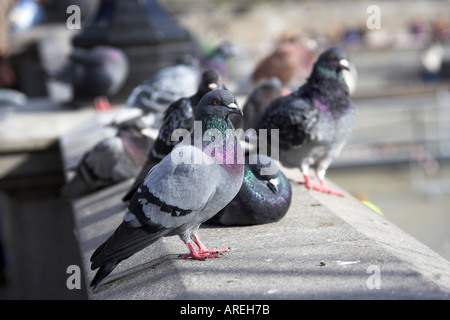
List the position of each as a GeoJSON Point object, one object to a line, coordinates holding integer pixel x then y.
{"type": "Point", "coordinates": [188, 187]}
{"type": "Point", "coordinates": [179, 115]}
{"type": "Point", "coordinates": [314, 121]}
{"type": "Point", "coordinates": [263, 198]}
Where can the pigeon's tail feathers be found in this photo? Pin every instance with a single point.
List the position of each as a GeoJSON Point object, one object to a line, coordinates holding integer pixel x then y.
{"type": "Point", "coordinates": [102, 272]}
{"type": "Point", "coordinates": [122, 244]}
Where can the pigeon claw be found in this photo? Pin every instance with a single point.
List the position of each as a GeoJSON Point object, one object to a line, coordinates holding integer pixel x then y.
{"type": "Point", "coordinates": [322, 188]}
{"type": "Point", "coordinates": [214, 250]}
{"type": "Point", "coordinates": [327, 190]}
{"type": "Point", "coordinates": [203, 253]}
{"type": "Point", "coordinates": [200, 256]}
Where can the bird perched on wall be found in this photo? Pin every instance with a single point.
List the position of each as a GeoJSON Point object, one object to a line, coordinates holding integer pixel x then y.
{"type": "Point", "coordinates": [99, 72]}
{"type": "Point", "coordinates": [168, 85]}
{"type": "Point", "coordinates": [180, 193]}
{"type": "Point", "coordinates": [314, 121]}
{"type": "Point", "coordinates": [258, 100]}
{"type": "Point", "coordinates": [264, 197]}
{"type": "Point", "coordinates": [112, 160]}
{"type": "Point", "coordinates": [179, 115]}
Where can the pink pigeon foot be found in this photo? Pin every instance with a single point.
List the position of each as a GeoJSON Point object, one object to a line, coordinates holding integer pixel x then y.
{"type": "Point", "coordinates": [322, 188]}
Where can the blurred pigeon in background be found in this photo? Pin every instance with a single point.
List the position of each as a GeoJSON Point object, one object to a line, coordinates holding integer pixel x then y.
{"type": "Point", "coordinates": [314, 121]}
{"type": "Point", "coordinates": [263, 198]}
{"type": "Point", "coordinates": [168, 85]}
{"type": "Point", "coordinates": [258, 100]}
{"type": "Point", "coordinates": [179, 115]}
{"type": "Point", "coordinates": [218, 57]}
{"type": "Point", "coordinates": [177, 196]}
{"type": "Point", "coordinates": [292, 58]}
{"type": "Point", "coordinates": [112, 160]}
{"type": "Point", "coordinates": [94, 74]}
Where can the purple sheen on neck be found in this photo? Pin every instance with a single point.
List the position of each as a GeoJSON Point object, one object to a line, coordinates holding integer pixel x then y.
{"type": "Point", "coordinates": [229, 155]}
{"type": "Point", "coordinates": [322, 107]}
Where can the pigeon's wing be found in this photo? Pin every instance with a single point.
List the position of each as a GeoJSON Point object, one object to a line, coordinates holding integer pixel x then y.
{"type": "Point", "coordinates": [99, 163]}
{"type": "Point", "coordinates": [95, 169]}
{"type": "Point", "coordinates": [176, 191]}
{"type": "Point", "coordinates": [179, 115]}
{"type": "Point", "coordinates": [136, 97]}
{"type": "Point", "coordinates": [164, 87]}
{"type": "Point", "coordinates": [293, 116]}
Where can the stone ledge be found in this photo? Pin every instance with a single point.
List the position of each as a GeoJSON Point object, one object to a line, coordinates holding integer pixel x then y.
{"type": "Point", "coordinates": [321, 249]}
{"type": "Point", "coordinates": [326, 247]}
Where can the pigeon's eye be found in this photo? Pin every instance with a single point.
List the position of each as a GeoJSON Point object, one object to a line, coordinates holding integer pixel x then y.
{"type": "Point", "coordinates": [216, 101]}
{"type": "Point", "coordinates": [330, 57]}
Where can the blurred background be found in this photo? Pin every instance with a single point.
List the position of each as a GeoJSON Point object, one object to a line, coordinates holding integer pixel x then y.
{"type": "Point", "coordinates": [396, 160]}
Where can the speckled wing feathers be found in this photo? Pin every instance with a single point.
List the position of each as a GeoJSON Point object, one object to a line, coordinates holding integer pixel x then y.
{"type": "Point", "coordinates": [294, 118]}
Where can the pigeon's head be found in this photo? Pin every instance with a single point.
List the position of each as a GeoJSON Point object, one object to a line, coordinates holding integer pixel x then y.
{"type": "Point", "coordinates": [218, 103]}
{"type": "Point", "coordinates": [211, 80]}
{"type": "Point", "coordinates": [333, 59]}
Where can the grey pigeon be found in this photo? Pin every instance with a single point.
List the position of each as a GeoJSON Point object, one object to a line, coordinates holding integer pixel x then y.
{"type": "Point", "coordinates": [179, 115]}
{"type": "Point", "coordinates": [93, 73]}
{"type": "Point", "coordinates": [110, 161]}
{"type": "Point", "coordinates": [263, 197]}
{"type": "Point", "coordinates": [189, 186]}
{"type": "Point", "coordinates": [164, 87]}
{"type": "Point", "coordinates": [258, 100]}
{"type": "Point", "coordinates": [314, 121]}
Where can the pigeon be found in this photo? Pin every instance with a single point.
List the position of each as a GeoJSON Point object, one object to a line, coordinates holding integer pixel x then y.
{"type": "Point", "coordinates": [189, 186]}
{"type": "Point", "coordinates": [313, 121]}
{"type": "Point", "coordinates": [112, 160]}
{"type": "Point", "coordinates": [293, 55]}
{"type": "Point", "coordinates": [217, 58]}
{"type": "Point", "coordinates": [258, 100]}
{"type": "Point", "coordinates": [263, 197]}
{"type": "Point", "coordinates": [164, 87]}
{"type": "Point", "coordinates": [179, 115]}
{"type": "Point", "coordinates": [96, 73]}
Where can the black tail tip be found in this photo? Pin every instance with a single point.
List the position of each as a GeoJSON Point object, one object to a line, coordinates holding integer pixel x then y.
{"type": "Point", "coordinates": [102, 272]}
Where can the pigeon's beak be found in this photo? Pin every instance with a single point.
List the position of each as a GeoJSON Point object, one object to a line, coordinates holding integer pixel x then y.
{"type": "Point", "coordinates": [344, 64]}
{"type": "Point", "coordinates": [147, 132]}
{"type": "Point", "coordinates": [212, 86]}
{"type": "Point", "coordinates": [235, 109]}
